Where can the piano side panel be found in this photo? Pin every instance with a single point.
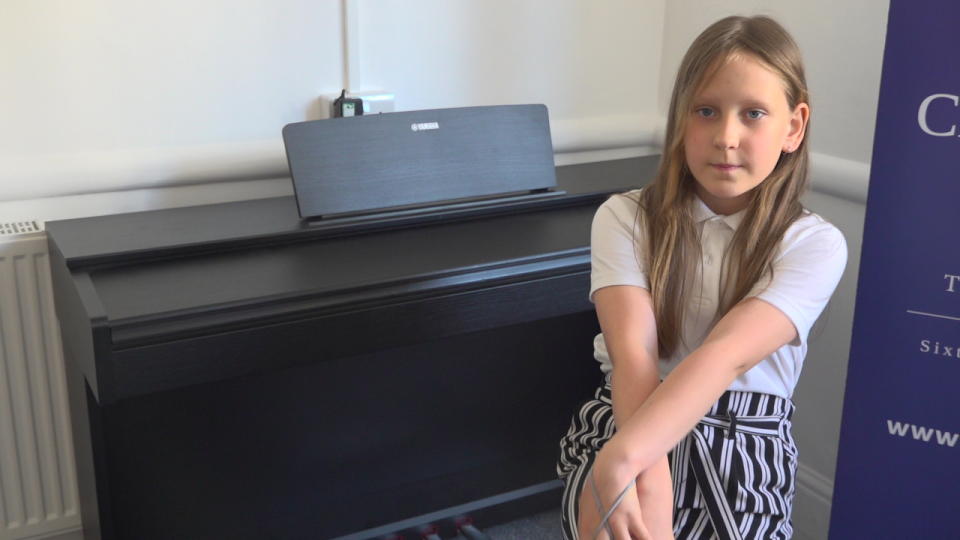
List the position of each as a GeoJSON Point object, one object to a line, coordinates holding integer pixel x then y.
{"type": "Point", "coordinates": [345, 444]}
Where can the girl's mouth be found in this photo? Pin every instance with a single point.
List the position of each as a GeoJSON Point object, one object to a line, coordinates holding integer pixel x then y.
{"type": "Point", "coordinates": [724, 166]}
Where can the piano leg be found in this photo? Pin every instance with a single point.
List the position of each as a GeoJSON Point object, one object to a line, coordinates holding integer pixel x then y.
{"type": "Point", "coordinates": [472, 533]}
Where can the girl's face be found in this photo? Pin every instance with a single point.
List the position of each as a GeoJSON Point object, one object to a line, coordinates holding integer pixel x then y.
{"type": "Point", "coordinates": [739, 123]}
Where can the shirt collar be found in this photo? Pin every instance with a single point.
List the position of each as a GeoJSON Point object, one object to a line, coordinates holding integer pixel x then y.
{"type": "Point", "coordinates": [702, 212]}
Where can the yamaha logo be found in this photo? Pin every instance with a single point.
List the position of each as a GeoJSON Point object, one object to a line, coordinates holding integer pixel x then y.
{"type": "Point", "coordinates": [424, 126]}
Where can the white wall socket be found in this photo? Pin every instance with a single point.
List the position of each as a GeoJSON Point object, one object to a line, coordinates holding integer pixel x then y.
{"type": "Point", "coordinates": [374, 101]}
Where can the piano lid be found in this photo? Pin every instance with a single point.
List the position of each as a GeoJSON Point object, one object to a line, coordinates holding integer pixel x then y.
{"type": "Point", "coordinates": [188, 265]}
{"type": "Point", "coordinates": [133, 238]}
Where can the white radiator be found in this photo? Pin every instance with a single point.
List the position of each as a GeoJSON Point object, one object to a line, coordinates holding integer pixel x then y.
{"type": "Point", "coordinates": [38, 486]}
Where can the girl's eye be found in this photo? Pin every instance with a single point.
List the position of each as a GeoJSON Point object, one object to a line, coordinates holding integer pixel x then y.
{"type": "Point", "coordinates": [705, 112]}
{"type": "Point", "coordinates": [755, 114]}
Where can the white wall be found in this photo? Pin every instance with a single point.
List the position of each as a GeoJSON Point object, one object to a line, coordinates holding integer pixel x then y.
{"type": "Point", "coordinates": [595, 64]}
{"type": "Point", "coordinates": [819, 394]}
{"type": "Point", "coordinates": [110, 96]}
{"type": "Point", "coordinates": [114, 75]}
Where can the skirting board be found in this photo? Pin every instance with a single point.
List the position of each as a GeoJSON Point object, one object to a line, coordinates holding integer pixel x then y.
{"type": "Point", "coordinates": [811, 508]}
{"type": "Point", "coordinates": [71, 534]}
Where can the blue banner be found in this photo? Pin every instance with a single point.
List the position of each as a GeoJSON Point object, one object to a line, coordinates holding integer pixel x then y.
{"type": "Point", "coordinates": [898, 468]}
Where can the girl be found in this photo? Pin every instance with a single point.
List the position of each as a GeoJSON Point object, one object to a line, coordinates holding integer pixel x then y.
{"type": "Point", "coordinates": [708, 279]}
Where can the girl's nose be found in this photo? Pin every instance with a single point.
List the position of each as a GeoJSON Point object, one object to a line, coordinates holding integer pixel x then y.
{"type": "Point", "coordinates": [727, 135]}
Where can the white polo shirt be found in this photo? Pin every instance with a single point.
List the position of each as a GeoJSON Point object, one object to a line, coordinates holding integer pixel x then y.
{"type": "Point", "coordinates": [806, 269]}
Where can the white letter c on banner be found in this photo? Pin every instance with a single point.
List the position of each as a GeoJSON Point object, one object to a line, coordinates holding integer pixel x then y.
{"type": "Point", "coordinates": [922, 115]}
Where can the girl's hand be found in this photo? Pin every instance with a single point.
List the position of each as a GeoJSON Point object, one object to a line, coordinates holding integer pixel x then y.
{"type": "Point", "coordinates": [610, 481]}
{"type": "Point", "coordinates": [655, 492]}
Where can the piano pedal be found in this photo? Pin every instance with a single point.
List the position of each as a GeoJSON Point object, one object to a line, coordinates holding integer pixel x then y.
{"type": "Point", "coordinates": [469, 531]}
{"type": "Point", "coordinates": [472, 533]}
{"type": "Point", "coordinates": [430, 532]}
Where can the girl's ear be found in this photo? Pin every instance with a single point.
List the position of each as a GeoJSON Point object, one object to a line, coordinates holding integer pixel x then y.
{"type": "Point", "coordinates": [798, 127]}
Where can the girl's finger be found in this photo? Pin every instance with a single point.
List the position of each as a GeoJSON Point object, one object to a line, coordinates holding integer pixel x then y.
{"type": "Point", "coordinates": [639, 531]}
{"type": "Point", "coordinates": [621, 531]}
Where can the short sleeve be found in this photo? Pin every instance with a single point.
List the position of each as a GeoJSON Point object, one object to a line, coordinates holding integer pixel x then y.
{"type": "Point", "coordinates": [616, 246]}
{"type": "Point", "coordinates": [805, 273]}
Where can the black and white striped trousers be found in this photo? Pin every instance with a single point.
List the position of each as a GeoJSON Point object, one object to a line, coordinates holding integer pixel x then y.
{"type": "Point", "coordinates": [733, 474]}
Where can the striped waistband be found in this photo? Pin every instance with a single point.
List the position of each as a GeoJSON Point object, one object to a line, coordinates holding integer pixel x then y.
{"type": "Point", "coordinates": [750, 412]}
{"type": "Point", "coordinates": [751, 404]}
{"type": "Point", "coordinates": [747, 412]}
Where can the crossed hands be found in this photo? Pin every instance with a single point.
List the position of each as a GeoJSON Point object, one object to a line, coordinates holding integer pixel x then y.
{"type": "Point", "coordinates": [610, 492]}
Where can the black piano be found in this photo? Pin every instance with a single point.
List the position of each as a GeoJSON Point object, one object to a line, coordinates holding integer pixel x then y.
{"type": "Point", "coordinates": [235, 372]}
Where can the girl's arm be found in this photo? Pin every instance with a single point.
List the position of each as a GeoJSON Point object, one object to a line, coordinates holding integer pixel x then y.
{"type": "Point", "coordinates": [747, 334]}
{"type": "Point", "coordinates": [630, 332]}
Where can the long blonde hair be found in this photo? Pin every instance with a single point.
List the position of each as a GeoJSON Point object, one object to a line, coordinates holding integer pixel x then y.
{"type": "Point", "coordinates": [664, 206]}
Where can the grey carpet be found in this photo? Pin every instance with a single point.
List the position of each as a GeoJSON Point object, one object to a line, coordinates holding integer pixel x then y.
{"type": "Point", "coordinates": [545, 526]}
